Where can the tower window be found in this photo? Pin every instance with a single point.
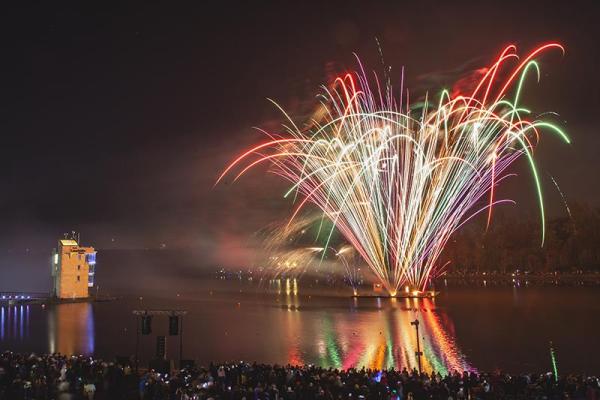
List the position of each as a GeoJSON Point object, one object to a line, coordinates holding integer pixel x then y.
{"type": "Point", "coordinates": [78, 278]}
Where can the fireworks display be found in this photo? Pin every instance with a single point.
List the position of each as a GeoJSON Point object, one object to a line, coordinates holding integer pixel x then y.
{"type": "Point", "coordinates": [397, 179]}
{"type": "Point", "coordinates": [294, 262]}
{"type": "Point", "coordinates": [292, 250]}
{"type": "Point", "coordinates": [346, 254]}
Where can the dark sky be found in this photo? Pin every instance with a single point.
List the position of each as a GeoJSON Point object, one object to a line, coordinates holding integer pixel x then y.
{"type": "Point", "coordinates": [117, 118]}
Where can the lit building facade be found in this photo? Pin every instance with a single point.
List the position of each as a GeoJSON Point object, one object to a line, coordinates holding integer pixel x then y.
{"type": "Point", "coordinates": [73, 270]}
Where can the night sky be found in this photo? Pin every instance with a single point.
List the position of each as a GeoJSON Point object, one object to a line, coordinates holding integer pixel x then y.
{"type": "Point", "coordinates": [116, 119]}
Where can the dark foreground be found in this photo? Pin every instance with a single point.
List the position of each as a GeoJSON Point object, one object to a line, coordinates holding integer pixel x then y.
{"type": "Point", "coordinates": [60, 377]}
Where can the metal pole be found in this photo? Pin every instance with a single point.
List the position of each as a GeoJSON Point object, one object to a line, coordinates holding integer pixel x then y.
{"type": "Point", "coordinates": [137, 341]}
{"type": "Point", "coordinates": [418, 353]}
{"type": "Point", "coordinates": [181, 343]}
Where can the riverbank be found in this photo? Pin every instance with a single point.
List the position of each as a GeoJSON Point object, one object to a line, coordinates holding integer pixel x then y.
{"type": "Point", "coordinates": [26, 299]}
{"type": "Point", "coordinates": [520, 278]}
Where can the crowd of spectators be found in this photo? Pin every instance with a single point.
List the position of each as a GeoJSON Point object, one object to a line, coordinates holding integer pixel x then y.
{"type": "Point", "coordinates": [55, 376]}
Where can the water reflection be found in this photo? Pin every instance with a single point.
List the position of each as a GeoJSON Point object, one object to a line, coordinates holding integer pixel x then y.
{"type": "Point", "coordinates": [71, 329]}
{"type": "Point", "coordinates": [281, 328]}
{"type": "Point", "coordinates": [380, 339]}
{"type": "Point", "coordinates": [14, 322]}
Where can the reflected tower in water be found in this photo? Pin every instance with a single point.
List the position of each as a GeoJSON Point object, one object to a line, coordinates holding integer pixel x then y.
{"type": "Point", "coordinates": [71, 329]}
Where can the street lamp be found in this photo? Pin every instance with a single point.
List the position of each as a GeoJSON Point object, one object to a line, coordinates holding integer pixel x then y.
{"type": "Point", "coordinates": [418, 353]}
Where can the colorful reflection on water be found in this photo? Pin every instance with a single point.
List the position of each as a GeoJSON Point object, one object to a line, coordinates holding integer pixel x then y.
{"type": "Point", "coordinates": [280, 327]}
{"type": "Point", "coordinates": [381, 338]}
{"type": "Point", "coordinates": [281, 323]}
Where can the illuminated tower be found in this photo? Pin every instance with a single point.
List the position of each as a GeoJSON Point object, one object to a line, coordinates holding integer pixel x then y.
{"type": "Point", "coordinates": [73, 269]}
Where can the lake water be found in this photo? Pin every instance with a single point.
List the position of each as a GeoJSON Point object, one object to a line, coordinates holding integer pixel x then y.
{"type": "Point", "coordinates": [476, 329]}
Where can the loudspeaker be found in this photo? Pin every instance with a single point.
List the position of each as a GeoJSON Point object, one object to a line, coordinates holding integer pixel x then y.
{"type": "Point", "coordinates": [161, 347]}
{"type": "Point", "coordinates": [173, 325]}
{"type": "Point", "coordinates": [146, 324]}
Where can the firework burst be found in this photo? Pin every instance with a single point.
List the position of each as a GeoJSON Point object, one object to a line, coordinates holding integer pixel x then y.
{"type": "Point", "coordinates": [397, 180]}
